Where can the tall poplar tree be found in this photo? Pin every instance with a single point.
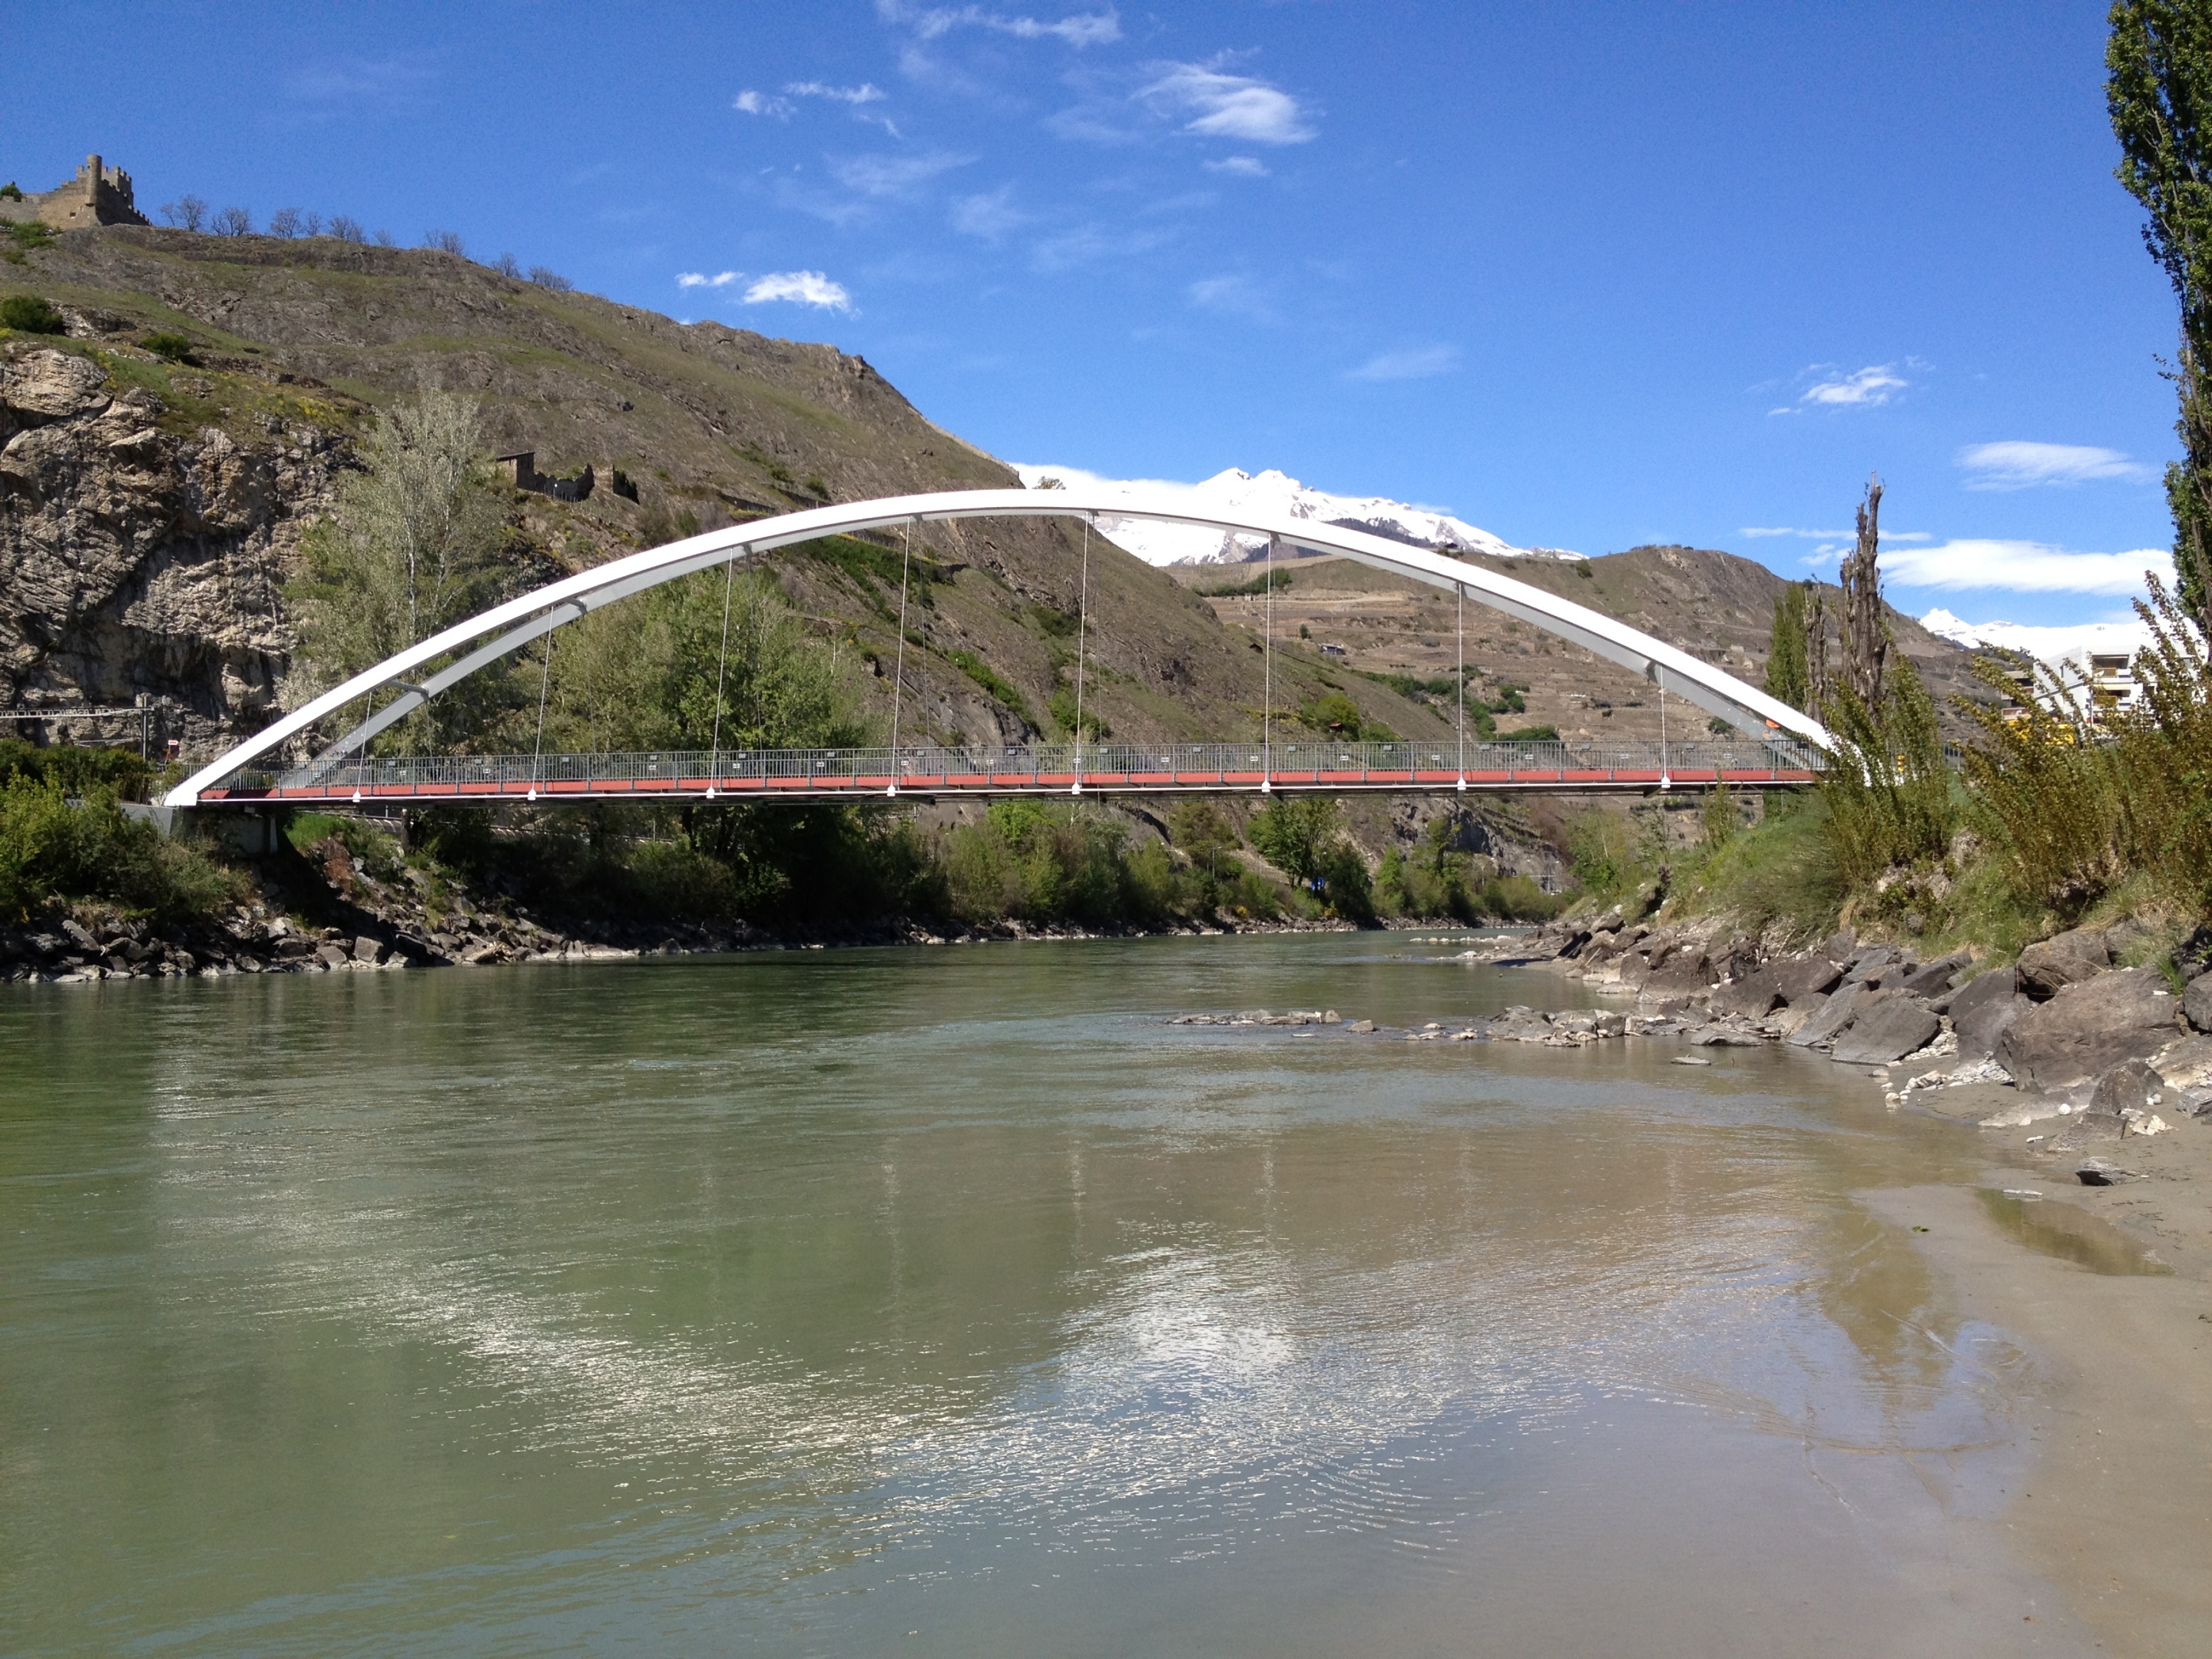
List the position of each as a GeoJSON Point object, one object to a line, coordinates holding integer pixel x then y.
{"type": "Point", "coordinates": [2158, 88]}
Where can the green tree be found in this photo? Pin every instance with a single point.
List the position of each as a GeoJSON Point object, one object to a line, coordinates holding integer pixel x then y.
{"type": "Point", "coordinates": [1788, 664]}
{"type": "Point", "coordinates": [646, 674]}
{"type": "Point", "coordinates": [2158, 90]}
{"type": "Point", "coordinates": [1294, 832]}
{"type": "Point", "coordinates": [412, 544]}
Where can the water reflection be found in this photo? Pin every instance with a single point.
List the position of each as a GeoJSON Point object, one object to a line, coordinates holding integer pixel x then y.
{"type": "Point", "coordinates": [798, 1301]}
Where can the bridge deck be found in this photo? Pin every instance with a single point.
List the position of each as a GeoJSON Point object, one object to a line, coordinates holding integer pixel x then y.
{"type": "Point", "coordinates": [1036, 769]}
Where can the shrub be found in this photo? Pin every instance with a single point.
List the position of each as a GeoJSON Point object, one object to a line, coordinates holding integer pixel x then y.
{"type": "Point", "coordinates": [176, 348]}
{"type": "Point", "coordinates": [1889, 795]}
{"type": "Point", "coordinates": [2164, 755]}
{"type": "Point", "coordinates": [75, 769]}
{"type": "Point", "coordinates": [30, 314]}
{"type": "Point", "coordinates": [553, 280]}
{"type": "Point", "coordinates": [2047, 800]}
{"type": "Point", "coordinates": [53, 852]}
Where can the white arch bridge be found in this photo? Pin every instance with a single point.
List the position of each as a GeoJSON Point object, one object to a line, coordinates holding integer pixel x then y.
{"type": "Point", "coordinates": [254, 773]}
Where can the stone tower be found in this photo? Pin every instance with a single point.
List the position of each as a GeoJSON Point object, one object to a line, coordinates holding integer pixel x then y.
{"type": "Point", "coordinates": [95, 197]}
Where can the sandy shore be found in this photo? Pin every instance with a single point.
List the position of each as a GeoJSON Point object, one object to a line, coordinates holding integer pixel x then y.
{"type": "Point", "coordinates": [2117, 1408]}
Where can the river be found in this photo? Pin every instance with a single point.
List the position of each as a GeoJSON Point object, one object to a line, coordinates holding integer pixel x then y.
{"type": "Point", "coordinates": [950, 1301]}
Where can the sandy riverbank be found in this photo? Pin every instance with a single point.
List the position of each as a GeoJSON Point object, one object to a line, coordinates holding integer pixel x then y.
{"type": "Point", "coordinates": [2118, 1401]}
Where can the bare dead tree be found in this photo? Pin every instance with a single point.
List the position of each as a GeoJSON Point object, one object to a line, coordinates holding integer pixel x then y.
{"type": "Point", "coordinates": [1865, 638]}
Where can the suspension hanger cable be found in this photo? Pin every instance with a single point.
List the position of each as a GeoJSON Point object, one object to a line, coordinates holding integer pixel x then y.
{"type": "Point", "coordinates": [1461, 589]}
{"type": "Point", "coordinates": [1666, 780]}
{"type": "Point", "coordinates": [545, 682]}
{"type": "Point", "coordinates": [1267, 676]}
{"type": "Point", "coordinates": [899, 673]}
{"type": "Point", "coordinates": [1082, 635]}
{"type": "Point", "coordinates": [715, 753]}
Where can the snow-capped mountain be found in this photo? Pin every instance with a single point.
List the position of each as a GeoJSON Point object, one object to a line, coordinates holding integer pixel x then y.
{"type": "Point", "coordinates": [2074, 643]}
{"type": "Point", "coordinates": [1278, 495]}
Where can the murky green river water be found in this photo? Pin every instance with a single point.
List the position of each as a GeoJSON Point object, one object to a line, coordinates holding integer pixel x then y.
{"type": "Point", "coordinates": [950, 1302]}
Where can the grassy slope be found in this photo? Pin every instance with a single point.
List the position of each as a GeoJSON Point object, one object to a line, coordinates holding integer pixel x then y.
{"type": "Point", "coordinates": [1715, 604]}
{"type": "Point", "coordinates": [712, 423]}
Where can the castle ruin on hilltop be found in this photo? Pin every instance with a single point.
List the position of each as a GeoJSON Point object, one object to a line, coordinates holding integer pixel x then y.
{"type": "Point", "coordinates": [95, 197]}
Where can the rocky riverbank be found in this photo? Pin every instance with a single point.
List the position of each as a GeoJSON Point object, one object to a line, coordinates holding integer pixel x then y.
{"type": "Point", "coordinates": [2104, 1036]}
{"type": "Point", "coordinates": [323, 912]}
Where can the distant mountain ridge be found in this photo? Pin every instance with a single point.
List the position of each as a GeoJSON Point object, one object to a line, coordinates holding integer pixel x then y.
{"type": "Point", "coordinates": [1275, 494]}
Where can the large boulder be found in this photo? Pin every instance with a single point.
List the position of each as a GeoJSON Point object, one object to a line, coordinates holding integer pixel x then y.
{"type": "Point", "coordinates": [1889, 1025]}
{"type": "Point", "coordinates": [1832, 1016]}
{"type": "Point", "coordinates": [1753, 997]}
{"type": "Point", "coordinates": [1932, 977]}
{"type": "Point", "coordinates": [2050, 965]}
{"type": "Point", "coordinates": [1982, 1007]}
{"type": "Point", "coordinates": [2088, 1028]}
{"type": "Point", "coordinates": [2196, 1002]}
{"type": "Point", "coordinates": [1869, 964]}
{"type": "Point", "coordinates": [1804, 978]}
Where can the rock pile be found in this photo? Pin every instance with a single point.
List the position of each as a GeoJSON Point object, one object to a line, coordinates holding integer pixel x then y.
{"type": "Point", "coordinates": [2098, 1040]}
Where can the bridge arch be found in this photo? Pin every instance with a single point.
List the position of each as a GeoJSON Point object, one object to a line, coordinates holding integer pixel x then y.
{"type": "Point", "coordinates": [484, 638]}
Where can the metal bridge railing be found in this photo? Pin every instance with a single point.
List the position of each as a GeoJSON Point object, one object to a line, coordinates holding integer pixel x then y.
{"type": "Point", "coordinates": [1001, 767]}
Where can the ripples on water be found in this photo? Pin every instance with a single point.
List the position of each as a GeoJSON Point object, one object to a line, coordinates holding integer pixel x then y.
{"type": "Point", "coordinates": [806, 1301]}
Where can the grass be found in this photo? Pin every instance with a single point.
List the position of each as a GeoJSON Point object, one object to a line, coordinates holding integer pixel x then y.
{"type": "Point", "coordinates": [1258, 585]}
{"type": "Point", "coordinates": [996, 686]}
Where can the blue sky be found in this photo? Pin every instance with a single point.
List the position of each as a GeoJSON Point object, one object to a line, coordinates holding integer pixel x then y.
{"type": "Point", "coordinates": [1585, 276]}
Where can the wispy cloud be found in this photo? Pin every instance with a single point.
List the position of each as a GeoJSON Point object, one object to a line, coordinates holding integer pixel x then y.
{"type": "Point", "coordinates": [2024, 567]}
{"type": "Point", "coordinates": [805, 288]}
{"type": "Point", "coordinates": [1414, 363]}
{"type": "Point", "coordinates": [865, 93]}
{"type": "Point", "coordinates": [1866, 388]}
{"type": "Point", "coordinates": [2016, 465]}
{"type": "Point", "coordinates": [894, 176]}
{"type": "Point", "coordinates": [750, 102]}
{"type": "Point", "coordinates": [1887, 535]}
{"type": "Point", "coordinates": [1091, 28]}
{"type": "Point", "coordinates": [1223, 106]}
{"type": "Point", "coordinates": [989, 214]}
{"type": "Point", "coordinates": [1232, 296]}
{"type": "Point", "coordinates": [1088, 243]}
{"type": "Point", "coordinates": [1246, 166]}
{"type": "Point", "coordinates": [382, 83]}
{"type": "Point", "coordinates": [699, 279]}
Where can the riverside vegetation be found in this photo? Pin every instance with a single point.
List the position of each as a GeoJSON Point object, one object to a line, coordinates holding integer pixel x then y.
{"type": "Point", "coordinates": [2059, 816]}
{"type": "Point", "coordinates": [416, 539]}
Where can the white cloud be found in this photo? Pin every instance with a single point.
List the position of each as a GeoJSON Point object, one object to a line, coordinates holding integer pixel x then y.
{"type": "Point", "coordinates": [1868, 388]}
{"type": "Point", "coordinates": [989, 215]}
{"type": "Point", "coordinates": [1227, 105]}
{"type": "Point", "coordinates": [757, 103]}
{"type": "Point", "coordinates": [2017, 464]}
{"type": "Point", "coordinates": [1231, 297]}
{"type": "Point", "coordinates": [893, 175]}
{"type": "Point", "coordinates": [805, 288]}
{"type": "Point", "coordinates": [1086, 243]}
{"type": "Point", "coordinates": [865, 93]}
{"type": "Point", "coordinates": [1887, 535]}
{"type": "Point", "coordinates": [1245, 166]}
{"type": "Point", "coordinates": [928, 22]}
{"type": "Point", "coordinates": [2072, 644]}
{"type": "Point", "coordinates": [697, 279]}
{"type": "Point", "coordinates": [2024, 567]}
{"type": "Point", "coordinates": [1415, 363]}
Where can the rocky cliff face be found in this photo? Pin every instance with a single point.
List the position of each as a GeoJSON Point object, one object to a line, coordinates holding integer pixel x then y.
{"type": "Point", "coordinates": [139, 562]}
